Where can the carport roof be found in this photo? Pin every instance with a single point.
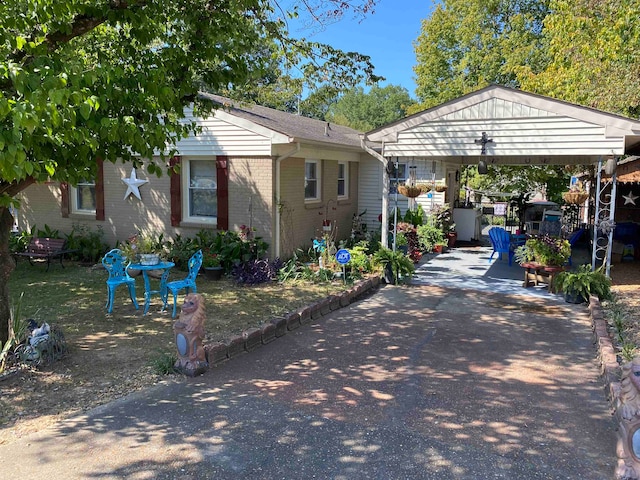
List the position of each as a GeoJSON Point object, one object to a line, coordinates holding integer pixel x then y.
{"type": "Point", "coordinates": [523, 128]}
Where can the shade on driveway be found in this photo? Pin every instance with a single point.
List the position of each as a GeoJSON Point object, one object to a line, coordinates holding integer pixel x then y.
{"type": "Point", "coordinates": [415, 382]}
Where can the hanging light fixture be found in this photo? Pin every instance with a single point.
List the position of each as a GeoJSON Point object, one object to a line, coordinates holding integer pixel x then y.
{"type": "Point", "coordinates": [610, 166]}
{"type": "Point", "coordinates": [482, 167]}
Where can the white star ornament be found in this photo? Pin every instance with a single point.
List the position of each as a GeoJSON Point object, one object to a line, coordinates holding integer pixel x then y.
{"type": "Point", "coordinates": [630, 198]}
{"type": "Point", "coordinates": [133, 185]}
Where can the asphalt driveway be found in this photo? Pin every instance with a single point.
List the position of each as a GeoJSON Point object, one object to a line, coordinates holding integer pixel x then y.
{"type": "Point", "coordinates": [415, 382]}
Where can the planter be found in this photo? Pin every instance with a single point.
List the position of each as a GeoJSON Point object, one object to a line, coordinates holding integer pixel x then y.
{"type": "Point", "coordinates": [573, 297]}
{"type": "Point", "coordinates": [437, 248]}
{"type": "Point", "coordinates": [452, 238]}
{"type": "Point", "coordinates": [213, 273]}
{"type": "Point", "coordinates": [575, 198]}
{"type": "Point", "coordinates": [149, 258]}
{"type": "Point", "coordinates": [411, 191]}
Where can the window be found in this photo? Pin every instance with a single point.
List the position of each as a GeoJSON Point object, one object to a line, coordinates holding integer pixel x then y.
{"type": "Point", "coordinates": [83, 197]}
{"type": "Point", "coordinates": [200, 202]}
{"type": "Point", "coordinates": [312, 180]}
{"type": "Point", "coordinates": [343, 180]}
{"type": "Point", "coordinates": [397, 177]}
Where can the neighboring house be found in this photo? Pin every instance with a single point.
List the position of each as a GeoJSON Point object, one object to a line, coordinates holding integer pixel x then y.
{"type": "Point", "coordinates": [280, 173]}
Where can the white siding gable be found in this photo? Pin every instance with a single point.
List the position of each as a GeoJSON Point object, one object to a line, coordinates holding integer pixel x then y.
{"type": "Point", "coordinates": [219, 136]}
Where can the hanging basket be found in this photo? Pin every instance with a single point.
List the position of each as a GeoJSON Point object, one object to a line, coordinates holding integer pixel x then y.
{"type": "Point", "coordinates": [575, 198]}
{"type": "Point", "coordinates": [411, 191]}
{"type": "Point", "coordinates": [441, 188]}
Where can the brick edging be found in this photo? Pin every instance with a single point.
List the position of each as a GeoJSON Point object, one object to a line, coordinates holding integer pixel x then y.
{"type": "Point", "coordinates": [609, 366]}
{"type": "Point", "coordinates": [252, 338]}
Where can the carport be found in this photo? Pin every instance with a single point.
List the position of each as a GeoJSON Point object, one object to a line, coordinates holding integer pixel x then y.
{"type": "Point", "coordinates": [503, 126]}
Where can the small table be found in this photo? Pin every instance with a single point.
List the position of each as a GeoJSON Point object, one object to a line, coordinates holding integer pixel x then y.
{"type": "Point", "coordinates": [166, 267]}
{"type": "Point", "coordinates": [536, 273]}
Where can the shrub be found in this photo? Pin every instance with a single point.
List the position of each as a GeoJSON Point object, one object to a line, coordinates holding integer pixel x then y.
{"type": "Point", "coordinates": [90, 245]}
{"type": "Point", "coordinates": [428, 236]}
{"type": "Point", "coordinates": [256, 271]}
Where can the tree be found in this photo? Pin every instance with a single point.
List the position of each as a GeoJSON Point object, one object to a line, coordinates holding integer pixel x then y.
{"type": "Point", "coordinates": [366, 111]}
{"type": "Point", "coordinates": [110, 79]}
{"type": "Point", "coordinates": [592, 55]}
{"type": "Point", "coordinates": [467, 44]}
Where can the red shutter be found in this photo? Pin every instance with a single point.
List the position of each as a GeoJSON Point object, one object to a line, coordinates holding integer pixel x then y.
{"type": "Point", "coordinates": [222, 177]}
{"type": "Point", "coordinates": [99, 186]}
{"type": "Point", "coordinates": [176, 197]}
{"type": "Point", "coordinates": [64, 199]}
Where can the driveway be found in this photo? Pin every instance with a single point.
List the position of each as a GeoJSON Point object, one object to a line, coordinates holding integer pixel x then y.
{"type": "Point", "coordinates": [414, 382]}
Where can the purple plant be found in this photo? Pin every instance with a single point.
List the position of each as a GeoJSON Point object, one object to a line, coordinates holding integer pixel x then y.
{"type": "Point", "coordinates": [256, 271]}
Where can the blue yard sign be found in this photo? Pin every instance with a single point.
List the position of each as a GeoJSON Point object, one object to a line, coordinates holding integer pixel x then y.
{"type": "Point", "coordinates": [343, 256]}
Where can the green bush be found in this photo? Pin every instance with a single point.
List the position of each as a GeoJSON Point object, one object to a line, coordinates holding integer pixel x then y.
{"type": "Point", "coordinates": [90, 245]}
{"type": "Point", "coordinates": [429, 236]}
{"type": "Point", "coordinates": [395, 264]}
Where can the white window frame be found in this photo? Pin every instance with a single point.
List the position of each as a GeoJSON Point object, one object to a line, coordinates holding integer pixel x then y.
{"type": "Point", "coordinates": [318, 180]}
{"type": "Point", "coordinates": [344, 179]}
{"type": "Point", "coordinates": [75, 191]}
{"type": "Point", "coordinates": [185, 169]}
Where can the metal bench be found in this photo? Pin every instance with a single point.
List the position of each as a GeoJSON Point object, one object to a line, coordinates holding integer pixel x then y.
{"type": "Point", "coordinates": [45, 248]}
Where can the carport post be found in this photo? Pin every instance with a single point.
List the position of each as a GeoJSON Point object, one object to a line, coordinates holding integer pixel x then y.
{"type": "Point", "coordinates": [384, 230]}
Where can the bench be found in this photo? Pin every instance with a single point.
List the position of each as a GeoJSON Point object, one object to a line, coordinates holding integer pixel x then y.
{"type": "Point", "coordinates": [535, 274]}
{"type": "Point", "coordinates": [45, 248]}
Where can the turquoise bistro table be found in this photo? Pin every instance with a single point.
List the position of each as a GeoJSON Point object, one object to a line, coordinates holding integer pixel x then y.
{"type": "Point", "coordinates": [145, 269]}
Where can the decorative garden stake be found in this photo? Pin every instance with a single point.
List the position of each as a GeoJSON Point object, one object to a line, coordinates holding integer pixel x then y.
{"type": "Point", "coordinates": [189, 333]}
{"type": "Point", "coordinates": [628, 416]}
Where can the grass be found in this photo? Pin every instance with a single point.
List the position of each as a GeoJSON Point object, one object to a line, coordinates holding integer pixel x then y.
{"type": "Point", "coordinates": [112, 355]}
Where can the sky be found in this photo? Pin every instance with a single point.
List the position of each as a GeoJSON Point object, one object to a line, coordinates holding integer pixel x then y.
{"type": "Point", "coordinates": [387, 36]}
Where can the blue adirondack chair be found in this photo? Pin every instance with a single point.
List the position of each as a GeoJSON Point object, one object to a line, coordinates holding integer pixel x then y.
{"type": "Point", "coordinates": [188, 283]}
{"type": "Point", "coordinates": [573, 239]}
{"type": "Point", "coordinates": [116, 264]}
{"type": "Point", "coordinates": [501, 243]}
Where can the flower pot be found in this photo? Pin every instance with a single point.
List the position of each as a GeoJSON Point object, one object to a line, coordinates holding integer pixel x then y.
{"type": "Point", "coordinates": [149, 258]}
{"type": "Point", "coordinates": [213, 273]}
{"type": "Point", "coordinates": [437, 248]}
{"type": "Point", "coordinates": [573, 297]}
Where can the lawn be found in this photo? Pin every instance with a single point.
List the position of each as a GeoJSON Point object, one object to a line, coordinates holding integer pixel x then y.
{"type": "Point", "coordinates": [112, 355]}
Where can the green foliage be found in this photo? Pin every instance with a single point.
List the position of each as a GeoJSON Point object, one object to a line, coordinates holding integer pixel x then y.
{"type": "Point", "coordinates": [414, 217]}
{"type": "Point", "coordinates": [90, 245]}
{"type": "Point", "coordinates": [17, 332]}
{"type": "Point", "coordinates": [585, 282]}
{"type": "Point", "coordinates": [442, 219]}
{"type": "Point", "coordinates": [360, 263]}
{"type": "Point", "coordinates": [544, 249]}
{"type": "Point", "coordinates": [589, 45]}
{"type": "Point", "coordinates": [163, 363]}
{"type": "Point", "coordinates": [366, 111]}
{"type": "Point", "coordinates": [396, 262]}
{"type": "Point", "coordinates": [468, 44]}
{"type": "Point", "coordinates": [18, 242]}
{"type": "Point", "coordinates": [429, 236]}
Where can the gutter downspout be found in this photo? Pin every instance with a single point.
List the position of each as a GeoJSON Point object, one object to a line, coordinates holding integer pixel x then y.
{"type": "Point", "coordinates": [277, 197]}
{"type": "Point", "coordinates": [384, 233]}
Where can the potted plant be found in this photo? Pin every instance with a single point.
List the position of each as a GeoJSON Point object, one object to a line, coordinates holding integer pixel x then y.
{"type": "Point", "coordinates": [576, 195]}
{"type": "Point", "coordinates": [428, 236]}
{"type": "Point", "coordinates": [212, 265]}
{"type": "Point", "coordinates": [395, 265]}
{"type": "Point", "coordinates": [579, 285]}
{"type": "Point", "coordinates": [546, 250]}
{"type": "Point", "coordinates": [442, 219]}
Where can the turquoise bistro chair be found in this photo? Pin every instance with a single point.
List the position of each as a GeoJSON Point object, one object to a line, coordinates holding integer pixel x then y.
{"type": "Point", "coordinates": [116, 264]}
{"type": "Point", "coordinates": [188, 283]}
